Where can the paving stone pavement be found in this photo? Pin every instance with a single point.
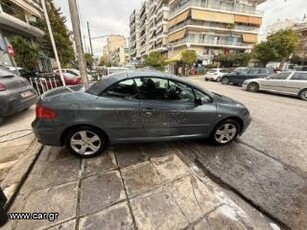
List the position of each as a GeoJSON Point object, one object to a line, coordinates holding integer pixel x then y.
{"type": "Point", "coordinates": [148, 186]}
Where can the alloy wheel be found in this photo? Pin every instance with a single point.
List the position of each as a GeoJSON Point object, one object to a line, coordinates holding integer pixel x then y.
{"type": "Point", "coordinates": [225, 81]}
{"type": "Point", "coordinates": [303, 95]}
{"type": "Point", "coordinates": [225, 133]}
{"type": "Point", "coordinates": [253, 87]}
{"type": "Point", "coordinates": [85, 143]}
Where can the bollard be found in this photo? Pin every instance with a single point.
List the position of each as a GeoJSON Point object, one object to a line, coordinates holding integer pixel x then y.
{"type": "Point", "coordinates": [3, 213]}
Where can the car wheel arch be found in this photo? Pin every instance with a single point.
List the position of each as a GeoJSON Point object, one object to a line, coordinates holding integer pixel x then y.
{"type": "Point", "coordinates": [299, 94]}
{"type": "Point", "coordinates": [68, 129]}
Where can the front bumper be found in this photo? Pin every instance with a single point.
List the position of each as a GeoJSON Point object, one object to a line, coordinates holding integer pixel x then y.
{"type": "Point", "coordinates": [246, 122]}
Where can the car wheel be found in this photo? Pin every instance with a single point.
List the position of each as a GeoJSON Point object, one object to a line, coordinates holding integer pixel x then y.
{"type": "Point", "coordinates": [225, 81]}
{"type": "Point", "coordinates": [225, 132]}
{"type": "Point", "coordinates": [253, 87]}
{"type": "Point", "coordinates": [85, 141]}
{"type": "Point", "coordinates": [303, 95]}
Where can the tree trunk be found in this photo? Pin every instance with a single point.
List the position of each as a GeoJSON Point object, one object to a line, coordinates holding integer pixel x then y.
{"type": "Point", "coordinates": [283, 61]}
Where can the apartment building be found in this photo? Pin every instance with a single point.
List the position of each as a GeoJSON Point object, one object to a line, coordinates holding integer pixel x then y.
{"type": "Point", "coordinates": [18, 17]}
{"type": "Point", "coordinates": [114, 51]}
{"type": "Point", "coordinates": [158, 26]}
{"type": "Point", "coordinates": [212, 27]}
{"type": "Point", "coordinates": [148, 28]}
{"type": "Point", "coordinates": [134, 42]}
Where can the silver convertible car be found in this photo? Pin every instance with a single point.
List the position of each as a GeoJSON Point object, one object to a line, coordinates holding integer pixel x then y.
{"type": "Point", "coordinates": [135, 106]}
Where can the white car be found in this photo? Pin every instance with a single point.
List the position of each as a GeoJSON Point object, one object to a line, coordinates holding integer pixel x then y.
{"type": "Point", "coordinates": [216, 74]}
{"type": "Point", "coordinates": [74, 72]}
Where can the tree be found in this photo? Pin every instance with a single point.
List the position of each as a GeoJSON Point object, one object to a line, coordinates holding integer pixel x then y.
{"type": "Point", "coordinates": [278, 47]}
{"type": "Point", "coordinates": [189, 57]}
{"type": "Point", "coordinates": [60, 33]}
{"type": "Point", "coordinates": [88, 59]}
{"type": "Point", "coordinates": [156, 60]}
{"type": "Point", "coordinates": [27, 53]}
{"type": "Point", "coordinates": [285, 42]}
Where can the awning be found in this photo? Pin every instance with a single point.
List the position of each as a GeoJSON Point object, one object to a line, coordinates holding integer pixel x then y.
{"type": "Point", "coordinates": [180, 18]}
{"type": "Point", "coordinates": [241, 19]}
{"type": "Point", "coordinates": [176, 58]}
{"type": "Point", "coordinates": [176, 36]}
{"type": "Point", "coordinates": [202, 15]}
{"type": "Point", "coordinates": [255, 20]}
{"type": "Point", "coordinates": [28, 7]}
{"type": "Point", "coordinates": [210, 16]}
{"type": "Point", "coordinates": [250, 38]}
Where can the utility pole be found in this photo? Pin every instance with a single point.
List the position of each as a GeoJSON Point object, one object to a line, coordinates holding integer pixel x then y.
{"type": "Point", "coordinates": [52, 41]}
{"type": "Point", "coordinates": [77, 34]}
{"type": "Point", "coordinates": [90, 38]}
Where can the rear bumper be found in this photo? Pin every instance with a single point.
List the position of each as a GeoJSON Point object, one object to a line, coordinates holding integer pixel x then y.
{"type": "Point", "coordinates": [15, 104]}
{"type": "Point", "coordinates": [45, 134]}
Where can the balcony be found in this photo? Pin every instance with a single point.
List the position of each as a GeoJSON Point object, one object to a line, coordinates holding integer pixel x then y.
{"type": "Point", "coordinates": [226, 42]}
{"type": "Point", "coordinates": [214, 26]}
{"type": "Point", "coordinates": [230, 7]}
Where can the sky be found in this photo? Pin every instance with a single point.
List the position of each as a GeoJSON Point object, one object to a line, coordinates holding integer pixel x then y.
{"type": "Point", "coordinates": [112, 16]}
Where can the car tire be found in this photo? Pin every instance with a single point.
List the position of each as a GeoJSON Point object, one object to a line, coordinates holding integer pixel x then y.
{"type": "Point", "coordinates": [225, 132]}
{"type": "Point", "coordinates": [225, 81]}
{"type": "Point", "coordinates": [85, 141]}
{"type": "Point", "coordinates": [253, 87]}
{"type": "Point", "coordinates": [303, 95]}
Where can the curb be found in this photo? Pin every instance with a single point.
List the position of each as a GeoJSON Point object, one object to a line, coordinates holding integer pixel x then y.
{"type": "Point", "coordinates": [18, 174]}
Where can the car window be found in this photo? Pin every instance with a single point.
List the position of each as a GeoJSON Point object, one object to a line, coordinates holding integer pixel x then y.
{"type": "Point", "coordinates": [180, 92]}
{"type": "Point", "coordinates": [263, 71]}
{"type": "Point", "coordinates": [69, 75]}
{"type": "Point", "coordinates": [224, 71]}
{"type": "Point", "coordinates": [280, 76]}
{"type": "Point", "coordinates": [151, 88]}
{"type": "Point", "coordinates": [202, 96]}
{"type": "Point", "coordinates": [72, 72]}
{"type": "Point", "coordinates": [212, 71]}
{"type": "Point", "coordinates": [253, 71]}
{"type": "Point", "coordinates": [124, 89]}
{"type": "Point", "coordinates": [299, 76]}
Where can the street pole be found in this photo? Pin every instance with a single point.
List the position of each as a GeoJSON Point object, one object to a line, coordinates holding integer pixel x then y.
{"type": "Point", "coordinates": [90, 38]}
{"type": "Point", "coordinates": [77, 34]}
{"type": "Point", "coordinates": [52, 41]}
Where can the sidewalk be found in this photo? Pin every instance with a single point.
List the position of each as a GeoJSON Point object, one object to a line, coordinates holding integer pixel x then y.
{"type": "Point", "coordinates": [18, 148]}
{"type": "Point", "coordinates": [129, 187]}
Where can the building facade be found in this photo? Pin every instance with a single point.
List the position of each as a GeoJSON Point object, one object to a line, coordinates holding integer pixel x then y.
{"type": "Point", "coordinates": [210, 27]}
{"type": "Point", "coordinates": [115, 50]}
{"type": "Point", "coordinates": [18, 17]}
{"type": "Point", "coordinates": [134, 42]}
{"type": "Point", "coordinates": [213, 27]}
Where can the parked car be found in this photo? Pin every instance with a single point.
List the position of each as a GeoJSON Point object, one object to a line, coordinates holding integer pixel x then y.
{"type": "Point", "coordinates": [75, 72]}
{"type": "Point", "coordinates": [301, 68]}
{"type": "Point", "coordinates": [289, 83]}
{"type": "Point", "coordinates": [238, 78]}
{"type": "Point", "coordinates": [16, 94]}
{"type": "Point", "coordinates": [215, 74]}
{"type": "Point", "coordinates": [240, 70]}
{"type": "Point", "coordinates": [135, 106]}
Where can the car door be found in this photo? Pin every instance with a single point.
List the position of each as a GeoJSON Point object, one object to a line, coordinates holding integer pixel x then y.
{"type": "Point", "coordinates": [276, 82]}
{"type": "Point", "coordinates": [168, 108]}
{"type": "Point", "coordinates": [296, 83]}
{"type": "Point", "coordinates": [118, 110]}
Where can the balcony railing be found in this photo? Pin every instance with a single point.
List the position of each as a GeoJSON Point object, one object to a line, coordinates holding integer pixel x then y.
{"type": "Point", "coordinates": [210, 41]}
{"type": "Point", "coordinates": [239, 8]}
{"type": "Point", "coordinates": [214, 25]}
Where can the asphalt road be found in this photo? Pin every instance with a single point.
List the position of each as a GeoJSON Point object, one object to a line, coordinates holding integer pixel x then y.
{"type": "Point", "coordinates": [268, 164]}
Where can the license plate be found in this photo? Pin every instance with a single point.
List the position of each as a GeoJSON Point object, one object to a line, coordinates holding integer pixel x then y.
{"type": "Point", "coordinates": [26, 94]}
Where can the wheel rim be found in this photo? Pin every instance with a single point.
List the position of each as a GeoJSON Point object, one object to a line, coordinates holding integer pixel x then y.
{"type": "Point", "coordinates": [225, 133]}
{"type": "Point", "coordinates": [85, 142]}
{"type": "Point", "coordinates": [304, 95]}
{"type": "Point", "coordinates": [225, 80]}
{"type": "Point", "coordinates": [252, 87]}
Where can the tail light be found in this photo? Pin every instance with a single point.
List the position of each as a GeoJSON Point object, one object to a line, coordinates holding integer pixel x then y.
{"type": "Point", "coordinates": [45, 113]}
{"type": "Point", "coordinates": [2, 87]}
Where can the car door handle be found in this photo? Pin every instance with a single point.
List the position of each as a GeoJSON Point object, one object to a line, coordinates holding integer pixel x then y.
{"type": "Point", "coordinates": [148, 109]}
